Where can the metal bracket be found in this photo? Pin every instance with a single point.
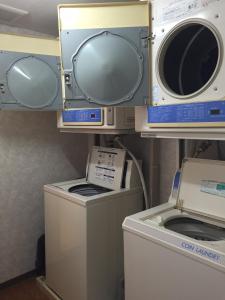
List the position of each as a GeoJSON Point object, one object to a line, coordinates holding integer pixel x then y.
{"type": "Point", "coordinates": [68, 78]}
{"type": "Point", "coordinates": [180, 204]}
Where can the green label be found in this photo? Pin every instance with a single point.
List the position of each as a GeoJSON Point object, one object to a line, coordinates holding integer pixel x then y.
{"type": "Point", "coordinates": [220, 187]}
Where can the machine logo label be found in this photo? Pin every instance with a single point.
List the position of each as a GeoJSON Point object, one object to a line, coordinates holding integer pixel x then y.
{"type": "Point", "coordinates": [201, 251]}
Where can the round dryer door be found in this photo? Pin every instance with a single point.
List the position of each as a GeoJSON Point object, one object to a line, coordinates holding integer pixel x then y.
{"type": "Point", "coordinates": [32, 82]}
{"type": "Point", "coordinates": [189, 59]}
{"type": "Point", "coordinates": [108, 69]}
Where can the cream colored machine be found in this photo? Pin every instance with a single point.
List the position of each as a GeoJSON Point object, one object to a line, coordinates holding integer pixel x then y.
{"type": "Point", "coordinates": [30, 73]}
{"type": "Point", "coordinates": [177, 250]}
{"type": "Point", "coordinates": [83, 227]}
{"type": "Point", "coordinates": [188, 51]}
{"type": "Point", "coordinates": [105, 53]}
{"type": "Point", "coordinates": [108, 120]}
{"type": "Point", "coordinates": [188, 65]}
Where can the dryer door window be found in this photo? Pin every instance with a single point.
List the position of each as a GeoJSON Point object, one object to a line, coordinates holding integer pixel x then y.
{"type": "Point", "coordinates": [32, 83]}
{"type": "Point", "coordinates": [189, 60]}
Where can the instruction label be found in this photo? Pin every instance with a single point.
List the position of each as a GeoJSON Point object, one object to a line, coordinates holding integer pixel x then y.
{"type": "Point", "coordinates": [213, 188]}
{"type": "Point", "coordinates": [177, 9]}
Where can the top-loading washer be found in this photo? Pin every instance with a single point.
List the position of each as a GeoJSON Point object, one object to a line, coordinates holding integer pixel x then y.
{"type": "Point", "coordinates": [177, 250]}
{"type": "Point", "coordinates": [83, 227]}
{"type": "Point", "coordinates": [188, 51]}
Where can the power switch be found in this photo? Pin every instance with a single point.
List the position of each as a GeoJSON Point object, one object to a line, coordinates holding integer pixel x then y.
{"type": "Point", "coordinates": [110, 116]}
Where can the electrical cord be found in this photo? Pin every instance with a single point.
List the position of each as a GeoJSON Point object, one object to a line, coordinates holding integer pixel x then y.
{"type": "Point", "coordinates": [202, 148]}
{"type": "Point", "coordinates": [219, 151]}
{"type": "Point", "coordinates": [147, 204]}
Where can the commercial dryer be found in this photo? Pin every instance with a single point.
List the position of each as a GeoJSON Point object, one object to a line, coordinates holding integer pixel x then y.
{"type": "Point", "coordinates": [105, 53]}
{"type": "Point", "coordinates": [188, 66]}
{"type": "Point", "coordinates": [30, 77]}
{"type": "Point", "coordinates": [83, 227]}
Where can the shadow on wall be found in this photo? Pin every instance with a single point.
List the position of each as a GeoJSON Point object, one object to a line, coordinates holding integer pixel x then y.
{"type": "Point", "coordinates": [147, 150]}
{"type": "Point", "coordinates": [32, 153]}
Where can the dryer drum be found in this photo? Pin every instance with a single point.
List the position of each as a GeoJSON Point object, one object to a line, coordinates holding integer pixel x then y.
{"type": "Point", "coordinates": [189, 59]}
{"type": "Point", "coordinates": [88, 190]}
{"type": "Point", "coordinates": [196, 229]}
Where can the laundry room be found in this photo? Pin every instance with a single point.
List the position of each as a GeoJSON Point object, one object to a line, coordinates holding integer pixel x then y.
{"type": "Point", "coordinates": [112, 150]}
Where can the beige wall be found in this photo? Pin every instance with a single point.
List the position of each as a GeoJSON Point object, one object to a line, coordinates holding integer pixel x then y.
{"type": "Point", "coordinates": [147, 150]}
{"type": "Point", "coordinates": [169, 163]}
{"type": "Point", "coordinates": [32, 153]}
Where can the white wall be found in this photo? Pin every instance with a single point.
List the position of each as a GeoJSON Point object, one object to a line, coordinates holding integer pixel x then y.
{"type": "Point", "coordinates": [32, 153]}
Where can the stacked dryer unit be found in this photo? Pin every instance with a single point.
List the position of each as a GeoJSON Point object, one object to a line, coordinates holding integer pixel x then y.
{"type": "Point", "coordinates": [188, 68]}
{"type": "Point", "coordinates": [30, 73]}
{"type": "Point", "coordinates": [105, 53]}
{"type": "Point", "coordinates": [30, 79]}
{"type": "Point", "coordinates": [104, 58]}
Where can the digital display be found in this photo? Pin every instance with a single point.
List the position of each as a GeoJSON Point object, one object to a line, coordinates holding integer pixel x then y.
{"type": "Point", "coordinates": [215, 111]}
{"type": "Point", "coordinates": [93, 116]}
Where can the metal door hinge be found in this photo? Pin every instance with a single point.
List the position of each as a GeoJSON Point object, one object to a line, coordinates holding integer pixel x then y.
{"type": "Point", "coordinates": [180, 204]}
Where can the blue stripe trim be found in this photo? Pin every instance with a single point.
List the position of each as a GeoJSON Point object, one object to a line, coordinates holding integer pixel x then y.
{"type": "Point", "coordinates": [82, 115]}
{"type": "Point", "coordinates": [205, 112]}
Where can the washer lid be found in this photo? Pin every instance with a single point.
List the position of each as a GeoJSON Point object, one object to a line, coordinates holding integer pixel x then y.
{"type": "Point", "coordinates": [105, 167]}
{"type": "Point", "coordinates": [202, 187]}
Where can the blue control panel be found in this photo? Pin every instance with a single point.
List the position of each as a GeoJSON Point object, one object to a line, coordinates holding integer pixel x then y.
{"type": "Point", "coordinates": [82, 116]}
{"type": "Point", "coordinates": [206, 112]}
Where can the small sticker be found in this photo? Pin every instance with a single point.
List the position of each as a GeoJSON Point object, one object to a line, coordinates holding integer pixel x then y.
{"type": "Point", "coordinates": [155, 94]}
{"type": "Point", "coordinates": [176, 184]}
{"type": "Point", "coordinates": [213, 188]}
{"type": "Point", "coordinates": [175, 10]}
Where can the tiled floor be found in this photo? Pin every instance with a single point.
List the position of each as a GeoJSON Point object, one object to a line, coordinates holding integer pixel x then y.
{"type": "Point", "coordinates": [28, 289]}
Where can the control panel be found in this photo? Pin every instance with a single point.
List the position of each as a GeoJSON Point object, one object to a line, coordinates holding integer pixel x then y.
{"type": "Point", "coordinates": [82, 117]}
{"type": "Point", "coordinates": [107, 120]}
{"type": "Point", "coordinates": [205, 114]}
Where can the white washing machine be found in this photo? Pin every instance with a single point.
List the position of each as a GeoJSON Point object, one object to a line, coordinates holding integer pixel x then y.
{"type": "Point", "coordinates": [177, 250]}
{"type": "Point", "coordinates": [83, 227]}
